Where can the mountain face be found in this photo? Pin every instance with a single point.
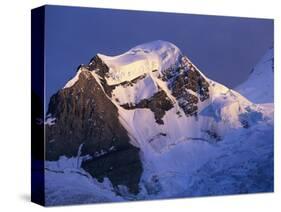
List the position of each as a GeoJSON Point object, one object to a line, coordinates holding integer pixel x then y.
{"type": "Point", "coordinates": [260, 84]}
{"type": "Point", "coordinates": [87, 124]}
{"type": "Point", "coordinates": [139, 119]}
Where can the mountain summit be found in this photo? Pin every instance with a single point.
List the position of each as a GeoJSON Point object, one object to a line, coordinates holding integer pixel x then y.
{"type": "Point", "coordinates": [140, 60]}
{"type": "Point", "coordinates": [144, 120]}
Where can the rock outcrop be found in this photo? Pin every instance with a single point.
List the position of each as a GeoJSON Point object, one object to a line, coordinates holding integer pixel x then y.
{"type": "Point", "coordinates": [85, 117]}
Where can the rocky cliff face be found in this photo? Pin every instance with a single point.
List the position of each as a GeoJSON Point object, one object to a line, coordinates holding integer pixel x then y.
{"type": "Point", "coordinates": [189, 87]}
{"type": "Point", "coordinates": [86, 118]}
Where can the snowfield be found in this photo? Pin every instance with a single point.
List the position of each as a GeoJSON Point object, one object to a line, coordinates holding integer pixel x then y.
{"type": "Point", "coordinates": [241, 163]}
{"type": "Point", "coordinates": [72, 186]}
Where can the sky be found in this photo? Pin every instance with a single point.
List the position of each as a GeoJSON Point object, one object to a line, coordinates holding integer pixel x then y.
{"type": "Point", "coordinates": [225, 49]}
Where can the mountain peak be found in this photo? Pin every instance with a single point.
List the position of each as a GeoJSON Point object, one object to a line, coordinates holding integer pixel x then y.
{"type": "Point", "coordinates": [145, 58]}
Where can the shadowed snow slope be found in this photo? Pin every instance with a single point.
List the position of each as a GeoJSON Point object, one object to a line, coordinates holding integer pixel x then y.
{"type": "Point", "coordinates": [259, 86]}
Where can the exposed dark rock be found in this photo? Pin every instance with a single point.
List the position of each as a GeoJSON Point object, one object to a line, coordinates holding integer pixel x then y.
{"type": "Point", "coordinates": [133, 81]}
{"type": "Point", "coordinates": [213, 135]}
{"type": "Point", "coordinates": [157, 136]}
{"type": "Point", "coordinates": [245, 124]}
{"type": "Point", "coordinates": [159, 103]}
{"type": "Point", "coordinates": [185, 81]}
{"type": "Point", "coordinates": [122, 167]}
{"type": "Point", "coordinates": [100, 68]}
{"type": "Point", "coordinates": [84, 115]}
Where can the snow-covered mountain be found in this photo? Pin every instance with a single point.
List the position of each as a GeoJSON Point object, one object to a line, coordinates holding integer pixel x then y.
{"type": "Point", "coordinates": [148, 124]}
{"type": "Point", "coordinates": [259, 86]}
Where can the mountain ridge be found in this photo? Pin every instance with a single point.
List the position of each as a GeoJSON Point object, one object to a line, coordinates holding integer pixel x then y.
{"type": "Point", "coordinates": [263, 75]}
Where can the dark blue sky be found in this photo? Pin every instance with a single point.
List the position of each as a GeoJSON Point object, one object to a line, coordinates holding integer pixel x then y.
{"type": "Point", "coordinates": [224, 48]}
